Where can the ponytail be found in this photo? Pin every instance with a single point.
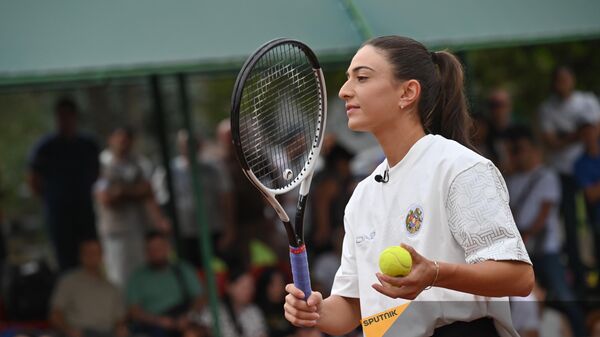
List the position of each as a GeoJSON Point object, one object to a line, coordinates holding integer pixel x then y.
{"type": "Point", "coordinates": [442, 104]}
{"type": "Point", "coordinates": [450, 117]}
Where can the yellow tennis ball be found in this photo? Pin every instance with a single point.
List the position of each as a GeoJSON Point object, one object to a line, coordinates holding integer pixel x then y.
{"type": "Point", "coordinates": [395, 261]}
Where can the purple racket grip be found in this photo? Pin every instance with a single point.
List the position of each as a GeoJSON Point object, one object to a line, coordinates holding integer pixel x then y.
{"type": "Point", "coordinates": [300, 272]}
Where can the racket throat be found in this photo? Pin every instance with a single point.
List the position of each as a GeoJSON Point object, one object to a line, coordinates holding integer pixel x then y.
{"type": "Point", "coordinates": [293, 239]}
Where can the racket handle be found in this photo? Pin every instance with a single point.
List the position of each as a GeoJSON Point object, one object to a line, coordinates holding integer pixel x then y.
{"type": "Point", "coordinates": [300, 272]}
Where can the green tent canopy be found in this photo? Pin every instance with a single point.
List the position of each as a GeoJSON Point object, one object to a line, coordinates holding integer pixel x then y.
{"type": "Point", "coordinates": [52, 41]}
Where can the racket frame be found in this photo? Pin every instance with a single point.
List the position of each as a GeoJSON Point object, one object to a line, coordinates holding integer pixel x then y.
{"type": "Point", "coordinates": [304, 178]}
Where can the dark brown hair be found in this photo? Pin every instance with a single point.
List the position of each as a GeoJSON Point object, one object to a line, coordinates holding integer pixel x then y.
{"type": "Point", "coordinates": [442, 105]}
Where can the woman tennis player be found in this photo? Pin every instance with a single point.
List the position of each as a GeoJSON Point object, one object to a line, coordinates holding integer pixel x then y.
{"type": "Point", "coordinates": [447, 205]}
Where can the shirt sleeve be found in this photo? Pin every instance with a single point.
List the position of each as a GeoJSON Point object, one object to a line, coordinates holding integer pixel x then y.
{"type": "Point", "coordinates": [346, 279]}
{"type": "Point", "coordinates": [593, 110]}
{"type": "Point", "coordinates": [191, 279]}
{"type": "Point", "coordinates": [479, 216]}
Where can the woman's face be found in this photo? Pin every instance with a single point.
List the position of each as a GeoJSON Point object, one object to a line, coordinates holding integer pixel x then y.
{"type": "Point", "coordinates": [371, 93]}
{"type": "Point", "coordinates": [276, 288]}
{"type": "Point", "coordinates": [242, 289]}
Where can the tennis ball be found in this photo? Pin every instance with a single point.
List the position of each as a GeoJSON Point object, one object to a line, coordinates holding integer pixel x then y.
{"type": "Point", "coordinates": [395, 261]}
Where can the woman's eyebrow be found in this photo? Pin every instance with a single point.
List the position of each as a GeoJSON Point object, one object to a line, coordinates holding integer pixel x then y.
{"type": "Point", "coordinates": [356, 69]}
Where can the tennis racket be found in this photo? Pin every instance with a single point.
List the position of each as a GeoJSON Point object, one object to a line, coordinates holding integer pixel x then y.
{"type": "Point", "coordinates": [278, 114]}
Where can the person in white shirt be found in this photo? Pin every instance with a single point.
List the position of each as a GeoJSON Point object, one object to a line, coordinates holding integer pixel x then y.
{"type": "Point", "coordinates": [534, 198]}
{"type": "Point", "coordinates": [447, 205]}
{"type": "Point", "coordinates": [561, 118]}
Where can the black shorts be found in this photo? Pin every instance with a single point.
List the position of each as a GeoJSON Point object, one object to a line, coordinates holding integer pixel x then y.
{"type": "Point", "coordinates": [482, 327]}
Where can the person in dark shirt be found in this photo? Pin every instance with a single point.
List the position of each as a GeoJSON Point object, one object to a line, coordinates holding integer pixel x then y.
{"type": "Point", "coordinates": [587, 174]}
{"type": "Point", "coordinates": [63, 166]}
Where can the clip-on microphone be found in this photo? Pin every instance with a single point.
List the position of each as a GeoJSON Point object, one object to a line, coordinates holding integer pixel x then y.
{"type": "Point", "coordinates": [383, 179]}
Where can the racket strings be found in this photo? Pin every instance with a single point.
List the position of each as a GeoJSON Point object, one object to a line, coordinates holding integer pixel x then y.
{"type": "Point", "coordinates": [279, 115]}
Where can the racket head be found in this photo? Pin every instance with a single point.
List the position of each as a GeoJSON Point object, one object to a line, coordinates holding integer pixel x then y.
{"type": "Point", "coordinates": [278, 114]}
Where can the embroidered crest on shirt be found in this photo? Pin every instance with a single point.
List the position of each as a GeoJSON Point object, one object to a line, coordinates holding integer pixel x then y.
{"type": "Point", "coordinates": [414, 219]}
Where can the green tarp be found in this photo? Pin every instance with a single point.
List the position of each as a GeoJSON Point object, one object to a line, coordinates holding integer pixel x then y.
{"type": "Point", "coordinates": [48, 41]}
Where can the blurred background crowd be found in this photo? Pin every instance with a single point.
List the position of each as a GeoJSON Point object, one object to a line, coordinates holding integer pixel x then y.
{"type": "Point", "coordinates": [105, 230]}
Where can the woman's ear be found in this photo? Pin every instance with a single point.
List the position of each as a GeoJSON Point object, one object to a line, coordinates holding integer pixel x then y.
{"type": "Point", "coordinates": [410, 92]}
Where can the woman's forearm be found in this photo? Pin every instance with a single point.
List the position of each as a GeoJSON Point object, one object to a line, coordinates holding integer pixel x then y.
{"type": "Point", "coordinates": [488, 278]}
{"type": "Point", "coordinates": [339, 315]}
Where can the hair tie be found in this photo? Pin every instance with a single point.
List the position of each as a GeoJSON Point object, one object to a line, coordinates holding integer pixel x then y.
{"type": "Point", "coordinates": [433, 56]}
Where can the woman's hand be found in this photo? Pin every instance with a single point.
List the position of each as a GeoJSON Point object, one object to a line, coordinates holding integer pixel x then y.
{"type": "Point", "coordinates": [421, 276]}
{"type": "Point", "coordinates": [299, 312]}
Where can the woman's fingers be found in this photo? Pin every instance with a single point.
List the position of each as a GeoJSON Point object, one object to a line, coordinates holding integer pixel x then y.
{"type": "Point", "coordinates": [300, 322]}
{"type": "Point", "coordinates": [290, 288]}
{"type": "Point", "coordinates": [315, 299]}
{"type": "Point", "coordinates": [413, 253]}
{"type": "Point", "coordinates": [408, 293]}
{"type": "Point", "coordinates": [298, 311]}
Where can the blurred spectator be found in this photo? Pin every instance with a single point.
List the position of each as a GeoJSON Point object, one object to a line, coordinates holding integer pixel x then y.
{"type": "Point", "coordinates": [248, 205]}
{"type": "Point", "coordinates": [84, 303]}
{"type": "Point", "coordinates": [480, 136]}
{"type": "Point", "coordinates": [270, 294]}
{"type": "Point", "coordinates": [534, 198]}
{"type": "Point", "coordinates": [216, 196]}
{"type": "Point", "coordinates": [561, 116]}
{"type": "Point", "coordinates": [500, 108]}
{"type": "Point", "coordinates": [593, 323]}
{"type": "Point", "coordinates": [63, 167]}
{"type": "Point", "coordinates": [162, 294]}
{"type": "Point", "coordinates": [333, 187]}
{"type": "Point", "coordinates": [327, 263]}
{"type": "Point", "coordinates": [587, 172]}
{"type": "Point", "coordinates": [238, 315]}
{"type": "Point", "coordinates": [125, 200]}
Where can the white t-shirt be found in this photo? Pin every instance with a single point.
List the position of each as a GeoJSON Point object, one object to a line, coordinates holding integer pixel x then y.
{"type": "Point", "coordinates": [451, 205]}
{"type": "Point", "coordinates": [525, 313]}
{"type": "Point", "coordinates": [545, 188]}
{"type": "Point", "coordinates": [127, 215]}
{"type": "Point", "coordinates": [566, 116]}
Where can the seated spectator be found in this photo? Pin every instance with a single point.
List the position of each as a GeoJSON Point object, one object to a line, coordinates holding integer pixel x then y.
{"type": "Point", "coordinates": [270, 291]}
{"type": "Point", "coordinates": [161, 294]}
{"type": "Point", "coordinates": [534, 199]}
{"type": "Point", "coordinates": [84, 303]}
{"type": "Point", "coordinates": [238, 315]}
